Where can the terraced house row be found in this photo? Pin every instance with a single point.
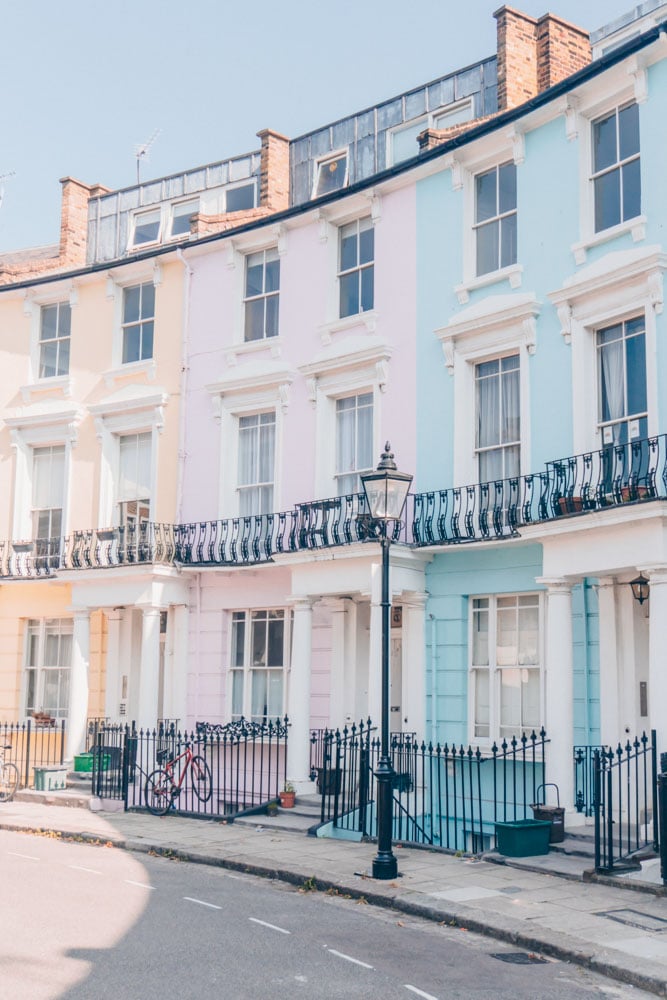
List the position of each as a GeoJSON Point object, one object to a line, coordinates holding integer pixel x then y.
{"type": "Point", "coordinates": [195, 377]}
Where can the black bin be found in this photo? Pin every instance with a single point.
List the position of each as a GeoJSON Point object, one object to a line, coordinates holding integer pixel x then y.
{"type": "Point", "coordinates": [555, 814]}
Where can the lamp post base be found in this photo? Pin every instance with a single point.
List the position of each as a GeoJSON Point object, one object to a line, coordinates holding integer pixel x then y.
{"type": "Point", "coordinates": [385, 866]}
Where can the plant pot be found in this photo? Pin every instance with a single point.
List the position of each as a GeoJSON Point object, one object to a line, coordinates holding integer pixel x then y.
{"type": "Point", "coordinates": [570, 505]}
{"type": "Point", "coordinates": [629, 493]}
{"type": "Point", "coordinates": [287, 800]}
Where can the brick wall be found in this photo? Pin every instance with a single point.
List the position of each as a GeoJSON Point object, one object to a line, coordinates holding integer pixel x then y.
{"type": "Point", "coordinates": [274, 170]}
{"type": "Point", "coordinates": [535, 53]}
{"type": "Point", "coordinates": [71, 250]}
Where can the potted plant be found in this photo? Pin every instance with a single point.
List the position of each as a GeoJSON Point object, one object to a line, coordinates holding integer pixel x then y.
{"type": "Point", "coordinates": [287, 796]}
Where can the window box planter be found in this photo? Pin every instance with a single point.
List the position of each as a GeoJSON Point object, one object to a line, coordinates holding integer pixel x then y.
{"type": "Point", "coordinates": [523, 838]}
{"type": "Point", "coordinates": [22, 546]}
{"type": "Point", "coordinates": [629, 493]}
{"type": "Point", "coordinates": [107, 534]}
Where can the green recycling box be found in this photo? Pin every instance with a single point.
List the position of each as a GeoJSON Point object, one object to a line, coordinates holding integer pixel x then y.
{"type": "Point", "coordinates": [523, 838]}
{"type": "Point", "coordinates": [50, 779]}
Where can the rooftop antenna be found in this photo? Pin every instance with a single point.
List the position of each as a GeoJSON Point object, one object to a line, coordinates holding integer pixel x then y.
{"type": "Point", "coordinates": [141, 151]}
{"type": "Point", "coordinates": [3, 178]}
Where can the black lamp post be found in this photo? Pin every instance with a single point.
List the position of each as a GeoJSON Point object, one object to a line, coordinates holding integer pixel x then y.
{"type": "Point", "coordinates": [386, 491]}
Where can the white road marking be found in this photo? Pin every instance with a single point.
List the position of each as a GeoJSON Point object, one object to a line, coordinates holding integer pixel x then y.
{"type": "Point", "coordinates": [28, 857]}
{"type": "Point", "coordinates": [80, 868]}
{"type": "Point", "coordinates": [142, 885]}
{"type": "Point", "coordinates": [420, 993]}
{"type": "Point", "coordinates": [270, 926]}
{"type": "Point", "coordinates": [202, 903]}
{"type": "Point", "coordinates": [348, 958]}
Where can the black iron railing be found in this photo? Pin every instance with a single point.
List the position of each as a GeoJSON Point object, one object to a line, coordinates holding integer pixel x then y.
{"type": "Point", "coordinates": [33, 744]}
{"type": "Point", "coordinates": [247, 763]}
{"type": "Point", "coordinates": [445, 796]}
{"type": "Point", "coordinates": [625, 803]}
{"type": "Point", "coordinates": [576, 485]}
{"type": "Point", "coordinates": [584, 776]}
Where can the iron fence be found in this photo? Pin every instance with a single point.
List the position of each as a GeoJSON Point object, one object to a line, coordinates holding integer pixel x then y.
{"type": "Point", "coordinates": [584, 776]}
{"type": "Point", "coordinates": [444, 796]}
{"type": "Point", "coordinates": [575, 485]}
{"type": "Point", "coordinates": [625, 800]}
{"type": "Point", "coordinates": [33, 744]}
{"type": "Point", "coordinates": [246, 762]}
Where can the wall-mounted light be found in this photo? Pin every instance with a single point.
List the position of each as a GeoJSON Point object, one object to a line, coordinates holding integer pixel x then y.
{"type": "Point", "coordinates": [640, 588]}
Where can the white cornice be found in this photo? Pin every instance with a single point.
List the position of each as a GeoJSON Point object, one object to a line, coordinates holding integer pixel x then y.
{"type": "Point", "coordinates": [613, 271]}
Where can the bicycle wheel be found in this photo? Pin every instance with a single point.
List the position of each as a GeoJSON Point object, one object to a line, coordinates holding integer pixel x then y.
{"type": "Point", "coordinates": [202, 782]}
{"type": "Point", "coordinates": [9, 781]}
{"type": "Point", "coordinates": [158, 792]}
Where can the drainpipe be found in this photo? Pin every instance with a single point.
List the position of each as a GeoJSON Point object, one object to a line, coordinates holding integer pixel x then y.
{"type": "Point", "coordinates": [434, 680]}
{"type": "Point", "coordinates": [185, 368]}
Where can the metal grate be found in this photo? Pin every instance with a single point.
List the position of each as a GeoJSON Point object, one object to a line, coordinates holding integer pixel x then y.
{"type": "Point", "coordinates": [519, 958]}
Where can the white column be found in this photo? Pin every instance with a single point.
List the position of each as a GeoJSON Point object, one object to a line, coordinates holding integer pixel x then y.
{"type": "Point", "coordinates": [78, 685]}
{"type": "Point", "coordinates": [149, 670]}
{"type": "Point", "coordinates": [374, 706]}
{"type": "Point", "coordinates": [657, 674]}
{"type": "Point", "coordinates": [298, 742]}
{"type": "Point", "coordinates": [112, 672]}
{"type": "Point", "coordinates": [414, 663]}
{"type": "Point", "coordinates": [337, 678]}
{"type": "Point", "coordinates": [176, 667]}
{"type": "Point", "coordinates": [610, 722]}
{"type": "Point", "coordinates": [559, 685]}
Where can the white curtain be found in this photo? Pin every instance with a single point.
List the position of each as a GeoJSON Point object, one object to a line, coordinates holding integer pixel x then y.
{"type": "Point", "coordinates": [48, 478]}
{"type": "Point", "coordinates": [613, 384]}
{"type": "Point", "coordinates": [134, 478]}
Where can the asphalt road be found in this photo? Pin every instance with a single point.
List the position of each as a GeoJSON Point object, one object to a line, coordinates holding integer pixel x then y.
{"type": "Point", "coordinates": [80, 922]}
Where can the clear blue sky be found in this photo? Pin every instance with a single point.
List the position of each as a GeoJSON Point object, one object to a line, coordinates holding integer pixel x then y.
{"type": "Point", "coordinates": [85, 81]}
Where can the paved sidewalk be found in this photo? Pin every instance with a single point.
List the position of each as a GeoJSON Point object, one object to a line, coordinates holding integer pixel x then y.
{"type": "Point", "coordinates": [612, 930]}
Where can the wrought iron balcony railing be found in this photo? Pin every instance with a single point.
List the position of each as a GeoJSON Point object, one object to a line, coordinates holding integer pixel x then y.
{"type": "Point", "coordinates": [577, 485]}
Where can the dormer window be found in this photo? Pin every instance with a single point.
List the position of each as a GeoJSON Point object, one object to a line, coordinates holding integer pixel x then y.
{"type": "Point", "coordinates": [331, 174]}
{"type": "Point", "coordinates": [146, 227]}
{"type": "Point", "coordinates": [181, 216]}
{"type": "Point", "coordinates": [239, 199]}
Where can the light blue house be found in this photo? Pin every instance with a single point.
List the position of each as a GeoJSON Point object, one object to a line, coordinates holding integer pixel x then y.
{"type": "Point", "coordinates": [541, 369]}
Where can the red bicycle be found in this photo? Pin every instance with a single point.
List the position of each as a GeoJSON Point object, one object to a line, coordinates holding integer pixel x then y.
{"type": "Point", "coordinates": [166, 783]}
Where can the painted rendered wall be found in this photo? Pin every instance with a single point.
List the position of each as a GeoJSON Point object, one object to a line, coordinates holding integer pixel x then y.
{"type": "Point", "coordinates": [451, 579]}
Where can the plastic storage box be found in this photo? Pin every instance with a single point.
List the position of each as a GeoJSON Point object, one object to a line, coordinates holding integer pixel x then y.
{"type": "Point", "coordinates": [523, 838]}
{"type": "Point", "coordinates": [50, 779]}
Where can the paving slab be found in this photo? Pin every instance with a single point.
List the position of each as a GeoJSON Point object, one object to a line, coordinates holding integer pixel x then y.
{"type": "Point", "coordinates": [535, 910]}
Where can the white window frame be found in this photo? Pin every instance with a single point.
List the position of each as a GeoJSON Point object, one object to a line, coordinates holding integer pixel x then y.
{"type": "Point", "coordinates": [58, 306]}
{"type": "Point", "coordinates": [498, 218]}
{"type": "Point", "coordinates": [501, 446]}
{"type": "Point", "coordinates": [134, 274]}
{"type": "Point", "coordinates": [358, 470]}
{"type": "Point", "coordinates": [618, 86]}
{"type": "Point", "coordinates": [497, 326]}
{"type": "Point", "coordinates": [40, 669]}
{"type": "Point", "coordinates": [256, 484]}
{"type": "Point", "coordinates": [247, 669]}
{"type": "Point", "coordinates": [494, 669]}
{"type": "Point", "coordinates": [32, 308]}
{"type": "Point", "coordinates": [434, 119]}
{"type": "Point", "coordinates": [360, 267]}
{"type": "Point", "coordinates": [26, 434]}
{"type": "Point", "coordinates": [134, 324]}
{"type": "Point", "coordinates": [331, 378]}
{"type": "Point", "coordinates": [245, 182]}
{"type": "Point", "coordinates": [264, 295]}
{"type": "Point", "coordinates": [470, 161]}
{"type": "Point", "coordinates": [146, 216]}
{"type": "Point", "coordinates": [115, 419]}
{"type": "Point", "coordinates": [322, 162]}
{"type": "Point", "coordinates": [618, 165]}
{"type": "Point", "coordinates": [622, 285]}
{"type": "Point", "coordinates": [173, 213]}
{"type": "Point", "coordinates": [243, 395]}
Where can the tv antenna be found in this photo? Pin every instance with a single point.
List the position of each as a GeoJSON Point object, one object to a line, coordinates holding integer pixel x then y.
{"type": "Point", "coordinates": [141, 151]}
{"type": "Point", "coordinates": [3, 178]}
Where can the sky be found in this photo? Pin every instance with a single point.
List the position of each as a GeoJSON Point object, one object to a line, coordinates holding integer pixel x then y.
{"type": "Point", "coordinates": [85, 82]}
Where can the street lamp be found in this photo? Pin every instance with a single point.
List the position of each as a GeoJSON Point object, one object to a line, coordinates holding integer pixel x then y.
{"type": "Point", "coordinates": [386, 491]}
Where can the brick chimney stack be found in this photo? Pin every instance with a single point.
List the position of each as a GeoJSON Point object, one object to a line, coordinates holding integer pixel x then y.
{"type": "Point", "coordinates": [74, 220]}
{"type": "Point", "coordinates": [535, 53]}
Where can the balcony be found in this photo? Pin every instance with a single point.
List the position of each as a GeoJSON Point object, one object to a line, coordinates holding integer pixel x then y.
{"type": "Point", "coordinates": [617, 475]}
